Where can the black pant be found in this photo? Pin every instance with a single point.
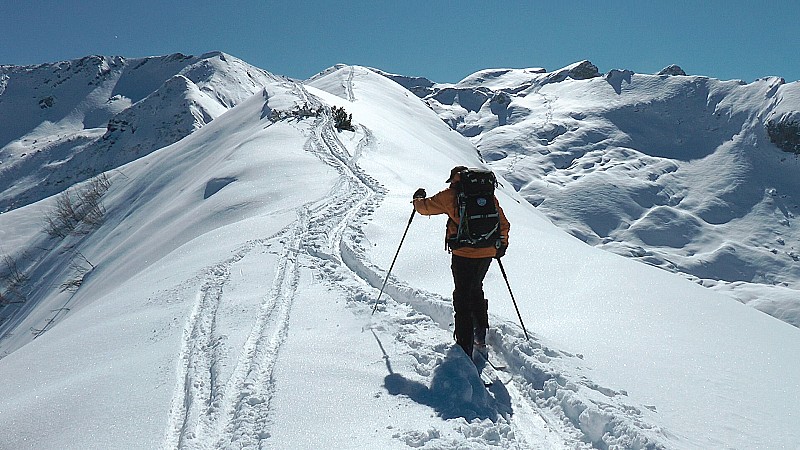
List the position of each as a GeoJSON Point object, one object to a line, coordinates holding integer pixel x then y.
{"type": "Point", "coordinates": [468, 299]}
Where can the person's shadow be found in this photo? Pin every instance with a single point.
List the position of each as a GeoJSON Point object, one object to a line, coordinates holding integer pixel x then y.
{"type": "Point", "coordinates": [456, 389]}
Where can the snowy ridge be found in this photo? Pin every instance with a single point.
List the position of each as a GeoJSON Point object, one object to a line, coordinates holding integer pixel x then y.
{"type": "Point", "coordinates": [89, 111]}
{"type": "Point", "coordinates": [246, 410]}
{"type": "Point", "coordinates": [233, 280]}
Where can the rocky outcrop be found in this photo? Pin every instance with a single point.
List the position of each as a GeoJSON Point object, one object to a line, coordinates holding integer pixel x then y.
{"type": "Point", "coordinates": [672, 70]}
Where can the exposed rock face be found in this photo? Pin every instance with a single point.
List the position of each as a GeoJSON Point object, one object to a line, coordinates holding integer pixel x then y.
{"type": "Point", "coordinates": [785, 133]}
{"type": "Point", "coordinates": [583, 71]}
{"type": "Point", "coordinates": [672, 69]}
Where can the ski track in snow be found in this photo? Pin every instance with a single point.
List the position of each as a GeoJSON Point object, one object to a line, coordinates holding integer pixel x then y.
{"type": "Point", "coordinates": [201, 407]}
{"type": "Point", "coordinates": [206, 414]}
{"type": "Point", "coordinates": [348, 85]}
{"type": "Point", "coordinates": [246, 410]}
{"type": "Point", "coordinates": [426, 307]}
{"type": "Point", "coordinates": [538, 410]}
{"type": "Point", "coordinates": [547, 102]}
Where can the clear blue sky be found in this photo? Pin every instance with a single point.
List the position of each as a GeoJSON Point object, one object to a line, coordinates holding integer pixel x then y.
{"type": "Point", "coordinates": [441, 40]}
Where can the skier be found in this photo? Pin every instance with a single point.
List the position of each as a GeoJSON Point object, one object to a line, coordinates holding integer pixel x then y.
{"type": "Point", "coordinates": [469, 264]}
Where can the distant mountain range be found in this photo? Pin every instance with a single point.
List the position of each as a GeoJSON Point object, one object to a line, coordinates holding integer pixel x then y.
{"type": "Point", "coordinates": [676, 171]}
{"type": "Point", "coordinates": [75, 119]}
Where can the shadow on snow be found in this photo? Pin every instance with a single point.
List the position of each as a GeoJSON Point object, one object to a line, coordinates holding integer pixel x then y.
{"type": "Point", "coordinates": [456, 390]}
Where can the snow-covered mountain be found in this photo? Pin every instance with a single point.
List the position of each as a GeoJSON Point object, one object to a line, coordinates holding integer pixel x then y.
{"type": "Point", "coordinates": [676, 171]}
{"type": "Point", "coordinates": [219, 294]}
{"type": "Point", "coordinates": [66, 122]}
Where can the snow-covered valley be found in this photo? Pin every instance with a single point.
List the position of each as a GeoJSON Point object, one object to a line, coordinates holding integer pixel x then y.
{"type": "Point", "coordinates": [224, 300]}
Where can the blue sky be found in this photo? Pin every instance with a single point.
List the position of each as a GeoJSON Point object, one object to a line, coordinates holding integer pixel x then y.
{"type": "Point", "coordinates": [442, 40]}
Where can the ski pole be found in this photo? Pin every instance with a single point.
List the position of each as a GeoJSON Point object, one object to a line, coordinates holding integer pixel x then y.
{"type": "Point", "coordinates": [512, 298]}
{"type": "Point", "coordinates": [394, 260]}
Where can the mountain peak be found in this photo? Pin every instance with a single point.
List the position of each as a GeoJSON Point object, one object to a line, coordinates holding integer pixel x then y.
{"type": "Point", "coordinates": [672, 70]}
{"type": "Point", "coordinates": [88, 104]}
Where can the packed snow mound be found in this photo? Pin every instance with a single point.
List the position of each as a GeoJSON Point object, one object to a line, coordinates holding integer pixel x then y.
{"type": "Point", "coordinates": [675, 171]}
{"type": "Point", "coordinates": [75, 119]}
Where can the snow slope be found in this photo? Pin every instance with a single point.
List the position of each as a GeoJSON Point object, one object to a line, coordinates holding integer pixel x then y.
{"type": "Point", "coordinates": [228, 305]}
{"type": "Point", "coordinates": [674, 171]}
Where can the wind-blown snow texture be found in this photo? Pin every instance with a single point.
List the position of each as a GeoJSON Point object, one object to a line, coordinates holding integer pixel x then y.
{"type": "Point", "coordinates": [225, 300]}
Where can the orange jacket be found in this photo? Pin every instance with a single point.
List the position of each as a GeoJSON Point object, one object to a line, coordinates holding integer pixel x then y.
{"type": "Point", "coordinates": [445, 203]}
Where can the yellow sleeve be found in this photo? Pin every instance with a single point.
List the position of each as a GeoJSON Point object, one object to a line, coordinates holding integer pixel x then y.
{"type": "Point", "coordinates": [438, 204]}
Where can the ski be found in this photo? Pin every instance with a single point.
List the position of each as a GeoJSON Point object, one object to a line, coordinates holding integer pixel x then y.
{"type": "Point", "coordinates": [485, 368]}
{"type": "Point", "coordinates": [487, 374]}
{"type": "Point", "coordinates": [499, 367]}
{"type": "Point", "coordinates": [484, 354]}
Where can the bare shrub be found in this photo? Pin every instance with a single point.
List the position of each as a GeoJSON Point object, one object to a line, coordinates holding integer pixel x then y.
{"type": "Point", "coordinates": [14, 279]}
{"type": "Point", "coordinates": [14, 274]}
{"type": "Point", "coordinates": [78, 206]}
{"type": "Point", "coordinates": [80, 268]}
{"type": "Point", "coordinates": [92, 210]}
{"type": "Point", "coordinates": [63, 218]}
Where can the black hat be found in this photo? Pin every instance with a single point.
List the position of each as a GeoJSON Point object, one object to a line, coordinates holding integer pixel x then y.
{"type": "Point", "coordinates": [455, 170]}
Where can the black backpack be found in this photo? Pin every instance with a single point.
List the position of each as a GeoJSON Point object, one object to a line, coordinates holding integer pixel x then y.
{"type": "Point", "coordinates": [479, 221]}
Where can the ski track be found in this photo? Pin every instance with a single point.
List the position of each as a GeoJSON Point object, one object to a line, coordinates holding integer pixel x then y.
{"type": "Point", "coordinates": [348, 85]}
{"type": "Point", "coordinates": [546, 121]}
{"type": "Point", "coordinates": [246, 411]}
{"type": "Point", "coordinates": [357, 195]}
{"type": "Point", "coordinates": [361, 198]}
{"type": "Point", "coordinates": [236, 414]}
{"type": "Point", "coordinates": [201, 405]}
{"type": "Point", "coordinates": [545, 412]}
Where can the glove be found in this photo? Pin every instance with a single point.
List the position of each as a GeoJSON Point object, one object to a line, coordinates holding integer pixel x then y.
{"type": "Point", "coordinates": [501, 251]}
{"type": "Point", "coordinates": [420, 193]}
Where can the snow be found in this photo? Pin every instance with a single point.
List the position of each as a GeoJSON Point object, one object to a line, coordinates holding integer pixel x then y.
{"type": "Point", "coordinates": [106, 112]}
{"type": "Point", "coordinates": [233, 281]}
{"type": "Point", "coordinates": [675, 171]}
